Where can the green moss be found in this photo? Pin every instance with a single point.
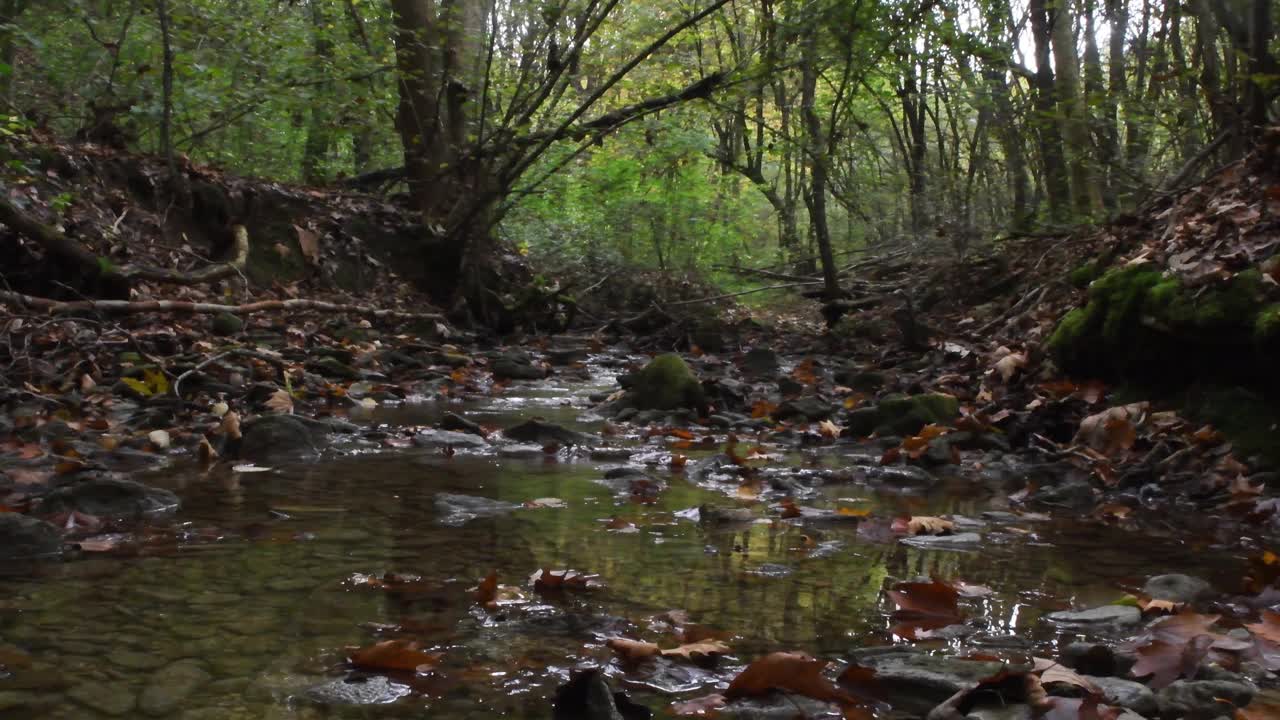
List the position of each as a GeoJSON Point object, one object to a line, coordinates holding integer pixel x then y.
{"type": "Point", "coordinates": [1071, 329]}
{"type": "Point", "coordinates": [667, 383]}
{"type": "Point", "coordinates": [1248, 420]}
{"type": "Point", "coordinates": [1085, 274]}
{"type": "Point", "coordinates": [905, 415]}
{"type": "Point", "coordinates": [1266, 326]}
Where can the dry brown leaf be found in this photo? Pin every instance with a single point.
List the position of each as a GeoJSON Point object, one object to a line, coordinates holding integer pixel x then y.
{"type": "Point", "coordinates": [280, 401]}
{"type": "Point", "coordinates": [633, 650]}
{"type": "Point", "coordinates": [487, 592]}
{"type": "Point", "coordinates": [1114, 428]}
{"type": "Point", "coordinates": [924, 525]}
{"type": "Point", "coordinates": [1051, 672]}
{"type": "Point", "coordinates": [1009, 365]}
{"type": "Point", "coordinates": [791, 671]}
{"type": "Point", "coordinates": [231, 425]}
{"type": "Point", "coordinates": [698, 651]}
{"type": "Point", "coordinates": [309, 242]}
{"type": "Point", "coordinates": [205, 451]}
{"type": "Point", "coordinates": [405, 655]}
{"type": "Point", "coordinates": [829, 429]}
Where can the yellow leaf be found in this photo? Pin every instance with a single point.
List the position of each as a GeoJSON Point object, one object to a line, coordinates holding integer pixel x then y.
{"type": "Point", "coordinates": [280, 401]}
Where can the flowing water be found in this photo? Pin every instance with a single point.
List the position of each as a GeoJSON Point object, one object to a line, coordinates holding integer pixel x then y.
{"type": "Point", "coordinates": [249, 603]}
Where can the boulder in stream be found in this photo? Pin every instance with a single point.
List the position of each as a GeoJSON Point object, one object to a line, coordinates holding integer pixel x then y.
{"type": "Point", "coordinates": [666, 383]}
{"type": "Point", "coordinates": [1203, 699]}
{"type": "Point", "coordinates": [545, 433]}
{"type": "Point", "coordinates": [457, 509]}
{"type": "Point", "coordinates": [1176, 587]}
{"type": "Point", "coordinates": [916, 682]}
{"type": "Point", "coordinates": [110, 497]}
{"type": "Point", "coordinates": [517, 366]}
{"type": "Point", "coordinates": [1099, 616]}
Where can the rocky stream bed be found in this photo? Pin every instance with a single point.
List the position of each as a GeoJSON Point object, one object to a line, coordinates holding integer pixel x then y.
{"type": "Point", "coordinates": [497, 545]}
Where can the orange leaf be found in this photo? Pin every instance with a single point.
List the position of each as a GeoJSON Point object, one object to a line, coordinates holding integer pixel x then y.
{"type": "Point", "coordinates": [791, 671]}
{"type": "Point", "coordinates": [633, 650]}
{"type": "Point", "coordinates": [488, 590]}
{"type": "Point", "coordinates": [405, 655]}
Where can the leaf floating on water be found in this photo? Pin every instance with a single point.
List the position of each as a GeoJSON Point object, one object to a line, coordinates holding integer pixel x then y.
{"type": "Point", "coordinates": [633, 650]}
{"type": "Point", "coordinates": [923, 525]}
{"type": "Point", "coordinates": [487, 593]}
{"type": "Point", "coordinates": [547, 580]}
{"type": "Point", "coordinates": [393, 655]}
{"type": "Point", "coordinates": [791, 671]}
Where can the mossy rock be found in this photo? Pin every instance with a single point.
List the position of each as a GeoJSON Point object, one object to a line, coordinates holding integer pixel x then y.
{"type": "Point", "coordinates": [1137, 318]}
{"type": "Point", "coordinates": [1085, 274]}
{"type": "Point", "coordinates": [225, 324]}
{"type": "Point", "coordinates": [907, 414]}
{"type": "Point", "coordinates": [666, 383]}
{"type": "Point", "coordinates": [1248, 419]}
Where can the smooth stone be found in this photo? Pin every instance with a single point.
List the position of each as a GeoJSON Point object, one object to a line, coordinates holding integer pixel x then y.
{"type": "Point", "coordinates": [1178, 588]}
{"type": "Point", "coordinates": [778, 706]}
{"type": "Point", "coordinates": [107, 698]}
{"type": "Point", "coordinates": [170, 686]}
{"type": "Point", "coordinates": [522, 452]}
{"type": "Point", "coordinates": [1001, 712]}
{"type": "Point", "coordinates": [1126, 694]}
{"type": "Point", "coordinates": [516, 366]}
{"type": "Point", "coordinates": [1105, 615]}
{"type": "Point", "coordinates": [900, 475]}
{"type": "Point", "coordinates": [1202, 699]}
{"type": "Point", "coordinates": [713, 515]}
{"type": "Point", "coordinates": [959, 541]}
{"type": "Point", "coordinates": [135, 660]}
{"type": "Point", "coordinates": [807, 408]}
{"type": "Point", "coordinates": [545, 433]}
{"type": "Point", "coordinates": [370, 690]}
{"type": "Point", "coordinates": [760, 361]}
{"type": "Point", "coordinates": [917, 682]}
{"type": "Point", "coordinates": [448, 438]}
{"type": "Point", "coordinates": [1097, 659]}
{"type": "Point", "coordinates": [110, 497]}
{"type": "Point", "coordinates": [458, 509]}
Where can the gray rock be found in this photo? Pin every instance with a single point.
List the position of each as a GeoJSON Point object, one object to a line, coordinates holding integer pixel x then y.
{"type": "Point", "coordinates": [1126, 694]}
{"type": "Point", "coordinates": [271, 437]}
{"type": "Point", "coordinates": [1097, 659]}
{"type": "Point", "coordinates": [1202, 699]}
{"type": "Point", "coordinates": [1176, 587]}
{"type": "Point", "coordinates": [901, 475]}
{"type": "Point", "coordinates": [567, 355]}
{"type": "Point", "coordinates": [545, 433]}
{"type": "Point", "coordinates": [713, 515]}
{"type": "Point", "coordinates": [958, 541]}
{"type": "Point", "coordinates": [107, 698]}
{"type": "Point", "coordinates": [916, 682]}
{"type": "Point", "coordinates": [110, 497]}
{"type": "Point", "coordinates": [523, 451]}
{"type": "Point", "coordinates": [23, 536]}
{"type": "Point", "coordinates": [453, 421]}
{"type": "Point", "coordinates": [459, 509]}
{"type": "Point", "coordinates": [587, 696]}
{"type": "Point", "coordinates": [1105, 615]}
{"type": "Point", "coordinates": [171, 685]}
{"type": "Point", "coordinates": [370, 690]}
{"type": "Point", "coordinates": [805, 408]}
{"type": "Point", "coordinates": [759, 362]}
{"type": "Point", "coordinates": [448, 438]}
{"type": "Point", "coordinates": [517, 366]}
{"type": "Point", "coordinates": [1001, 712]}
{"type": "Point", "coordinates": [330, 366]}
{"type": "Point", "coordinates": [1070, 494]}
{"type": "Point", "coordinates": [778, 706]}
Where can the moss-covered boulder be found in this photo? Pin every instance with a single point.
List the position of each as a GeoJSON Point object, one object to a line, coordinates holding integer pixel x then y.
{"type": "Point", "coordinates": [903, 414]}
{"type": "Point", "coordinates": [666, 383]}
{"type": "Point", "coordinates": [1138, 319]}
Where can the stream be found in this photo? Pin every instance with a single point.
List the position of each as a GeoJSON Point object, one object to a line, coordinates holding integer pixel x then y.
{"type": "Point", "coordinates": [246, 604]}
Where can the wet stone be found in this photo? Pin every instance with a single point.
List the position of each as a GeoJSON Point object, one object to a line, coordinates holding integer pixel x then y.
{"type": "Point", "coordinates": [1126, 694]}
{"type": "Point", "coordinates": [112, 699]}
{"type": "Point", "coordinates": [1001, 712]}
{"type": "Point", "coordinates": [1105, 615]}
{"type": "Point", "coordinates": [1176, 587]}
{"type": "Point", "coordinates": [522, 452]}
{"type": "Point", "coordinates": [916, 682]}
{"type": "Point", "coordinates": [959, 541]}
{"type": "Point", "coordinates": [779, 706]}
{"type": "Point", "coordinates": [545, 433]}
{"type": "Point", "coordinates": [24, 536]}
{"type": "Point", "coordinates": [1202, 699]}
{"type": "Point", "coordinates": [458, 509]}
{"type": "Point", "coordinates": [370, 690]}
{"type": "Point", "coordinates": [134, 660]}
{"type": "Point", "coordinates": [448, 438]}
{"type": "Point", "coordinates": [170, 686]}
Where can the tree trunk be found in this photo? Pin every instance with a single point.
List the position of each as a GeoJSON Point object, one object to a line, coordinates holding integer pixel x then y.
{"type": "Point", "coordinates": [418, 117]}
{"type": "Point", "coordinates": [1057, 187]}
{"type": "Point", "coordinates": [1118, 19]}
{"type": "Point", "coordinates": [816, 144]}
{"type": "Point", "coordinates": [319, 133]}
{"type": "Point", "coordinates": [1086, 199]}
{"type": "Point", "coordinates": [10, 10]}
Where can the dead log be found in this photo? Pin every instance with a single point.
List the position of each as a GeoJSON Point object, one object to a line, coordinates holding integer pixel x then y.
{"type": "Point", "coordinates": [56, 307]}
{"type": "Point", "coordinates": [57, 243]}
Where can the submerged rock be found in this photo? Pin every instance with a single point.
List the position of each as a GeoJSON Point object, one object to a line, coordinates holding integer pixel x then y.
{"type": "Point", "coordinates": [902, 414]}
{"type": "Point", "coordinates": [779, 706]}
{"type": "Point", "coordinates": [805, 408]}
{"type": "Point", "coordinates": [1105, 615]}
{"type": "Point", "coordinates": [112, 699]}
{"type": "Point", "coordinates": [357, 690]}
{"type": "Point", "coordinates": [459, 509]}
{"type": "Point", "coordinates": [587, 696]}
{"type": "Point", "coordinates": [517, 366]}
{"type": "Point", "coordinates": [959, 541]}
{"type": "Point", "coordinates": [110, 497]}
{"type": "Point", "coordinates": [1126, 694]}
{"type": "Point", "coordinates": [170, 686]}
{"type": "Point", "coordinates": [271, 437]}
{"type": "Point", "coordinates": [22, 536]}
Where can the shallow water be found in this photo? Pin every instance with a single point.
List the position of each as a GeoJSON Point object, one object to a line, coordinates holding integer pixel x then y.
{"type": "Point", "coordinates": [260, 582]}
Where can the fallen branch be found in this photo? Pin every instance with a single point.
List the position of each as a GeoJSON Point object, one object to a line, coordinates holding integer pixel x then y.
{"type": "Point", "coordinates": [182, 306]}
{"type": "Point", "coordinates": [746, 292]}
{"type": "Point", "coordinates": [177, 384]}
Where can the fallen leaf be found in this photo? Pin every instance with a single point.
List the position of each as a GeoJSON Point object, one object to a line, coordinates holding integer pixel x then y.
{"type": "Point", "coordinates": [231, 425]}
{"type": "Point", "coordinates": [548, 502]}
{"type": "Point", "coordinates": [403, 655]}
{"type": "Point", "coordinates": [1112, 429]}
{"type": "Point", "coordinates": [487, 592]}
{"type": "Point", "coordinates": [1009, 365]}
{"type": "Point", "coordinates": [633, 650]}
{"type": "Point", "coordinates": [790, 671]}
{"type": "Point", "coordinates": [159, 439]}
{"type": "Point", "coordinates": [923, 525]}
{"type": "Point", "coordinates": [205, 451]}
{"type": "Point", "coordinates": [309, 243]}
{"type": "Point", "coordinates": [698, 652]}
{"type": "Point", "coordinates": [829, 429]}
{"type": "Point", "coordinates": [924, 607]}
{"type": "Point", "coordinates": [280, 401]}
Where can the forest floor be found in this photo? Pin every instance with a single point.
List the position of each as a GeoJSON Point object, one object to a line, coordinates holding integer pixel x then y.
{"type": "Point", "coordinates": [957, 383]}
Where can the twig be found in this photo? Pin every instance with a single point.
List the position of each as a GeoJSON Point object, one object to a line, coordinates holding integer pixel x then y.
{"type": "Point", "coordinates": [746, 292]}
{"type": "Point", "coordinates": [209, 361]}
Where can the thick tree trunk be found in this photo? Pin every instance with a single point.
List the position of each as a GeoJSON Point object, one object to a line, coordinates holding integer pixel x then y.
{"type": "Point", "coordinates": [1049, 131]}
{"type": "Point", "coordinates": [816, 144]}
{"type": "Point", "coordinates": [418, 117]}
{"type": "Point", "coordinates": [319, 133]}
{"type": "Point", "coordinates": [1086, 199]}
